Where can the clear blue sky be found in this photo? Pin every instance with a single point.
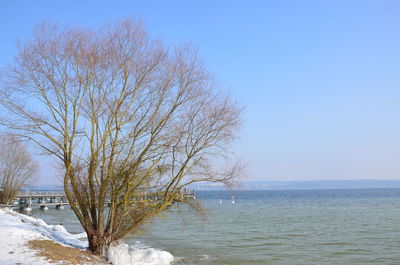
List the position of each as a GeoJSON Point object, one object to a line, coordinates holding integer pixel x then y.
{"type": "Point", "coordinates": [319, 79]}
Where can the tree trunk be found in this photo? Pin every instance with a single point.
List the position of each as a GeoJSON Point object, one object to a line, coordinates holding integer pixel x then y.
{"type": "Point", "coordinates": [6, 196]}
{"type": "Point", "coordinates": [99, 244]}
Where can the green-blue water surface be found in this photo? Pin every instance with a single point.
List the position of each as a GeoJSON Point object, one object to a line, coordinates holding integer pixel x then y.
{"type": "Point", "coordinates": [303, 227]}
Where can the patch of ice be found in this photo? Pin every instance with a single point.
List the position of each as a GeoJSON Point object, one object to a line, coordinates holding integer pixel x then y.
{"type": "Point", "coordinates": [80, 235]}
{"type": "Point", "coordinates": [123, 254]}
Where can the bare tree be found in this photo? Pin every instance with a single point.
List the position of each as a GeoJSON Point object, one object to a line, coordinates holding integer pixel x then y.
{"type": "Point", "coordinates": [132, 122]}
{"type": "Point", "coordinates": [17, 168]}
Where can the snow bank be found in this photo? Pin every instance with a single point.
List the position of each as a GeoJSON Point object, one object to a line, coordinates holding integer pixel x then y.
{"type": "Point", "coordinates": [123, 254]}
{"type": "Point", "coordinates": [14, 235]}
{"type": "Point", "coordinates": [57, 233]}
{"type": "Point", "coordinates": [19, 229]}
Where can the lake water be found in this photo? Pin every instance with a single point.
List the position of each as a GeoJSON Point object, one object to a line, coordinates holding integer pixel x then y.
{"type": "Point", "coordinates": [360, 226]}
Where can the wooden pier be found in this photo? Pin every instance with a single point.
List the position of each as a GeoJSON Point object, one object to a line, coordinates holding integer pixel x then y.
{"type": "Point", "coordinates": [25, 200]}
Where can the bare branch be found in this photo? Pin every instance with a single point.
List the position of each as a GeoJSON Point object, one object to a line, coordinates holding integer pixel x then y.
{"type": "Point", "coordinates": [132, 122]}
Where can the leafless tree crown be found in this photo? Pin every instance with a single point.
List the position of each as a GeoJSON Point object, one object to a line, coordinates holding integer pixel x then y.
{"type": "Point", "coordinates": [17, 168]}
{"type": "Point", "coordinates": [125, 115]}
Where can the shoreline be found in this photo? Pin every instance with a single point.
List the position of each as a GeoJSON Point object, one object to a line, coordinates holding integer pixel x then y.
{"type": "Point", "coordinates": [32, 241]}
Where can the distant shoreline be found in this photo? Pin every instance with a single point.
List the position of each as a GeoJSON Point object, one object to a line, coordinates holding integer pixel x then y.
{"type": "Point", "coordinates": [283, 185]}
{"type": "Point", "coordinates": [308, 184]}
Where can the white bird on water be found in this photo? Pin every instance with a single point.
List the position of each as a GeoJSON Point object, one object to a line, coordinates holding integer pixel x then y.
{"type": "Point", "coordinates": [233, 199]}
{"type": "Point", "coordinates": [220, 201]}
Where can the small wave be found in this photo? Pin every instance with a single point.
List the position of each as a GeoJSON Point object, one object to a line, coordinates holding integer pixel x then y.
{"type": "Point", "coordinates": [204, 257]}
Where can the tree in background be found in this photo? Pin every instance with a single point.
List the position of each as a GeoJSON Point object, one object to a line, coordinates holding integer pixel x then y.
{"type": "Point", "coordinates": [17, 169]}
{"type": "Point", "coordinates": [132, 122]}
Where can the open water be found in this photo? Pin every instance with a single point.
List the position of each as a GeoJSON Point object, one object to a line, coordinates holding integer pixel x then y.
{"type": "Point", "coordinates": [304, 227]}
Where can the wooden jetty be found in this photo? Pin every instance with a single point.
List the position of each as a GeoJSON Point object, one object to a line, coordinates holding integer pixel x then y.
{"type": "Point", "coordinates": [26, 199]}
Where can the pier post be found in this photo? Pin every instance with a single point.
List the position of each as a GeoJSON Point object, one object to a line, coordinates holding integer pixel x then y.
{"type": "Point", "coordinates": [28, 207]}
{"type": "Point", "coordinates": [60, 206]}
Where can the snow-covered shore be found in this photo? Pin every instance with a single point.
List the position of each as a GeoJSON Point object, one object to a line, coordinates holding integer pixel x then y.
{"type": "Point", "coordinates": [17, 230]}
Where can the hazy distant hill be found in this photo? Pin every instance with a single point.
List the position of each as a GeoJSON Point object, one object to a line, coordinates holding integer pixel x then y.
{"type": "Point", "coordinates": [285, 185]}
{"type": "Point", "coordinates": [46, 187]}
{"type": "Point", "coordinates": [294, 185]}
